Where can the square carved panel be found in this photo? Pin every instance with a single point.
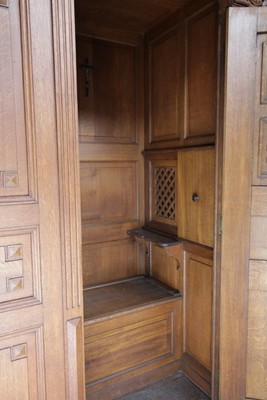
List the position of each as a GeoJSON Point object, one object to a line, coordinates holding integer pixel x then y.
{"type": "Point", "coordinates": [19, 268]}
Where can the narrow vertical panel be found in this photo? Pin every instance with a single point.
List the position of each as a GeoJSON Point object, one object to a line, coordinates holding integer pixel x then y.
{"type": "Point", "coordinates": [236, 197]}
{"type": "Point", "coordinates": [17, 152]}
{"type": "Point", "coordinates": [198, 303]}
{"type": "Point", "coordinates": [257, 331]}
{"type": "Point", "coordinates": [166, 80]}
{"type": "Point", "coordinates": [75, 358]}
{"type": "Point", "coordinates": [260, 136]}
{"type": "Point", "coordinates": [264, 74]}
{"type": "Point", "coordinates": [262, 161]}
{"type": "Point", "coordinates": [201, 71]}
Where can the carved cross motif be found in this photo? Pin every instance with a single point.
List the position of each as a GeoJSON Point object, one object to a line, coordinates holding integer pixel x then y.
{"type": "Point", "coordinates": [86, 67]}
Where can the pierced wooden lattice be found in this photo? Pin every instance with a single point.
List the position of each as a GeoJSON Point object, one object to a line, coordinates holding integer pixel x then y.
{"type": "Point", "coordinates": [165, 185]}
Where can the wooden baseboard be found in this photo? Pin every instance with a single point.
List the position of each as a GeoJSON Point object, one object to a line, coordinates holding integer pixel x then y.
{"type": "Point", "coordinates": [198, 374]}
{"type": "Point", "coordinates": [114, 389]}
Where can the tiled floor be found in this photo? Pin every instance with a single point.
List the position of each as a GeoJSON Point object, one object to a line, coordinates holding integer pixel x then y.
{"type": "Point", "coordinates": [174, 387]}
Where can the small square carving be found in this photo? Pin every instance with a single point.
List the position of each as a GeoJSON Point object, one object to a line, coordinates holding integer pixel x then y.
{"type": "Point", "coordinates": [14, 284]}
{"type": "Point", "coordinates": [14, 252]}
{"type": "Point", "coordinates": [18, 352]}
{"type": "Point", "coordinates": [11, 180]}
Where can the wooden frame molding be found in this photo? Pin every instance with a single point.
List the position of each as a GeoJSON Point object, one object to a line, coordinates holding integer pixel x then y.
{"type": "Point", "coordinates": [249, 3]}
{"type": "Point", "coordinates": [69, 180]}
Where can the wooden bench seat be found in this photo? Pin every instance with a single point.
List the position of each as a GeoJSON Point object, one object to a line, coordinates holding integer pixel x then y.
{"type": "Point", "coordinates": [132, 335]}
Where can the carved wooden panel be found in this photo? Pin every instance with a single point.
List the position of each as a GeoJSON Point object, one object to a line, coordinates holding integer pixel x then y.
{"type": "Point", "coordinates": [19, 268]}
{"type": "Point", "coordinates": [109, 191]}
{"type": "Point", "coordinates": [198, 307]}
{"type": "Point", "coordinates": [161, 191]}
{"type": "Point", "coordinates": [257, 332]}
{"type": "Point", "coordinates": [16, 119]}
{"type": "Point", "coordinates": [260, 136]}
{"type": "Point", "coordinates": [139, 339]}
{"type": "Point", "coordinates": [106, 91]}
{"type": "Point", "coordinates": [201, 70]}
{"type": "Point", "coordinates": [109, 261]}
{"type": "Point", "coordinates": [165, 88]}
{"type": "Point", "coordinates": [21, 366]}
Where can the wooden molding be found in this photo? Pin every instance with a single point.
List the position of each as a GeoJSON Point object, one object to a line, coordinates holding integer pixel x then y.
{"type": "Point", "coordinates": [65, 57]}
{"type": "Point", "coordinates": [249, 3]}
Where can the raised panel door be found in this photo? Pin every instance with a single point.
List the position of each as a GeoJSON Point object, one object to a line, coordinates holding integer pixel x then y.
{"type": "Point", "coordinates": [195, 182]}
{"type": "Point", "coordinates": [35, 309]}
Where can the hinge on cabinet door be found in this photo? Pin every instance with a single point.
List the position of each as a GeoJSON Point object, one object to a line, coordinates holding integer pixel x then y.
{"type": "Point", "coordinates": [220, 224]}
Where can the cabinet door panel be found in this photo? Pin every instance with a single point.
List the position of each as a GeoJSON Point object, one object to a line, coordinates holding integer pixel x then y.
{"type": "Point", "coordinates": [201, 70]}
{"type": "Point", "coordinates": [198, 307]}
{"type": "Point", "coordinates": [196, 180]}
{"type": "Point", "coordinates": [166, 82]}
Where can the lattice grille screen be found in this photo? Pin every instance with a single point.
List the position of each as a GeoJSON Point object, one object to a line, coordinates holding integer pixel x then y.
{"type": "Point", "coordinates": [165, 192]}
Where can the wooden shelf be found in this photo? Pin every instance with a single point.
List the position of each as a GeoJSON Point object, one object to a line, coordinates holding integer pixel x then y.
{"type": "Point", "coordinates": [157, 238]}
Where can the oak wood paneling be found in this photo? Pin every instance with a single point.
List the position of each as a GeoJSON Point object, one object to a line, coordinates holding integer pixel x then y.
{"type": "Point", "coordinates": [196, 175]}
{"type": "Point", "coordinates": [121, 20]}
{"type": "Point", "coordinates": [21, 365]}
{"type": "Point", "coordinates": [106, 91]}
{"type": "Point", "coordinates": [201, 72]}
{"type": "Point", "coordinates": [109, 261]}
{"type": "Point", "coordinates": [17, 153]}
{"type": "Point", "coordinates": [161, 190]}
{"type": "Point", "coordinates": [258, 232]}
{"type": "Point", "coordinates": [198, 307]}
{"type": "Point", "coordinates": [165, 84]}
{"type": "Point", "coordinates": [165, 268]}
{"type": "Point", "coordinates": [257, 331]}
{"type": "Point", "coordinates": [136, 341]}
{"type": "Point", "coordinates": [260, 137]}
{"type": "Point", "coordinates": [109, 191]}
{"type": "Point", "coordinates": [236, 196]}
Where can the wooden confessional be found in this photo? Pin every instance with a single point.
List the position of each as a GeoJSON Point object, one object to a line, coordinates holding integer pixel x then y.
{"type": "Point", "coordinates": [135, 130]}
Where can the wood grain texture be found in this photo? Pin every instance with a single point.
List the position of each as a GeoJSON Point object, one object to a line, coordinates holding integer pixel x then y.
{"type": "Point", "coordinates": [201, 71]}
{"type": "Point", "coordinates": [257, 328]}
{"type": "Point", "coordinates": [107, 108]}
{"type": "Point", "coordinates": [239, 98]}
{"type": "Point", "coordinates": [260, 138]}
{"type": "Point", "coordinates": [161, 190]}
{"type": "Point", "coordinates": [198, 308]}
{"type": "Point", "coordinates": [69, 194]}
{"type": "Point", "coordinates": [165, 268]}
{"type": "Point", "coordinates": [196, 175]}
{"type": "Point", "coordinates": [107, 261]}
{"type": "Point", "coordinates": [22, 367]}
{"type": "Point", "coordinates": [258, 229]}
{"type": "Point", "coordinates": [165, 81]}
{"type": "Point", "coordinates": [132, 333]}
{"type": "Point", "coordinates": [17, 165]}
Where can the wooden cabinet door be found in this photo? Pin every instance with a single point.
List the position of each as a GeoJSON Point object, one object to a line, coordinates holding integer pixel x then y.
{"type": "Point", "coordinates": [197, 292]}
{"type": "Point", "coordinates": [39, 293]}
{"type": "Point", "coordinates": [196, 180]}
